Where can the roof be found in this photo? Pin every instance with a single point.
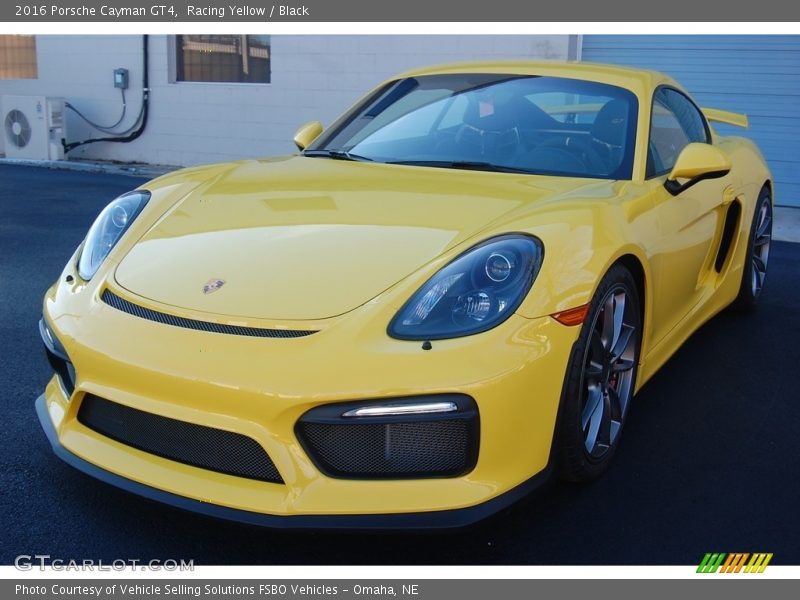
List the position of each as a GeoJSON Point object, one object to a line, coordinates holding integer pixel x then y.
{"type": "Point", "coordinates": [626, 77]}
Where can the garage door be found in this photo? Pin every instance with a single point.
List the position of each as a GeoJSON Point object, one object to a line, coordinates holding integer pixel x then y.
{"type": "Point", "coordinates": [757, 75]}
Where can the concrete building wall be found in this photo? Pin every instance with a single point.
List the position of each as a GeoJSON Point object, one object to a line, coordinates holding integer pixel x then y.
{"type": "Point", "coordinates": [313, 77]}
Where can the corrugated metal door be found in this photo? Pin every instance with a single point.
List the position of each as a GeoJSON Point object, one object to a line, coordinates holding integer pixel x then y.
{"type": "Point", "coordinates": [755, 74]}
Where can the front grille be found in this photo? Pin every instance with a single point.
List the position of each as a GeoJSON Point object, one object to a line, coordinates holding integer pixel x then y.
{"type": "Point", "coordinates": [188, 443]}
{"type": "Point", "coordinates": [396, 447]}
{"type": "Point", "coordinates": [115, 301]}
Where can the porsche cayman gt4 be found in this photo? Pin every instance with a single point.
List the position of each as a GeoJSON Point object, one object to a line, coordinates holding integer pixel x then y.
{"type": "Point", "coordinates": [452, 292]}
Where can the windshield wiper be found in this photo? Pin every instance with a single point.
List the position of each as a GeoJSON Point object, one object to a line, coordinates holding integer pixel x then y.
{"type": "Point", "coordinates": [461, 164]}
{"type": "Point", "coordinates": [338, 155]}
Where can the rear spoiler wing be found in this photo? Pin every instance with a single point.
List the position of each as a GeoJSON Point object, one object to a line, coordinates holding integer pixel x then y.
{"type": "Point", "coordinates": [724, 116]}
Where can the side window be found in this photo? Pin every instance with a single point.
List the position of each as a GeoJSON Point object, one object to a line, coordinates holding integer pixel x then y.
{"type": "Point", "coordinates": [675, 122]}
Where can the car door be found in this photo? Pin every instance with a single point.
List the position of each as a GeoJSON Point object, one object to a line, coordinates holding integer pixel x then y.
{"type": "Point", "coordinates": [687, 223]}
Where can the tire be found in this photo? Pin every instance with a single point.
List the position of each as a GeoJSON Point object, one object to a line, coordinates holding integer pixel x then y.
{"type": "Point", "coordinates": [754, 270]}
{"type": "Point", "coordinates": [600, 381]}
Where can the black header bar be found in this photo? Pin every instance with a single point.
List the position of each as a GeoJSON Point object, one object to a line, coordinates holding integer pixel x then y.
{"type": "Point", "coordinates": [464, 11]}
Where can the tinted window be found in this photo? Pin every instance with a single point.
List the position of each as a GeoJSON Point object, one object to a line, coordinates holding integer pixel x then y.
{"type": "Point", "coordinates": [675, 122]}
{"type": "Point", "coordinates": [538, 125]}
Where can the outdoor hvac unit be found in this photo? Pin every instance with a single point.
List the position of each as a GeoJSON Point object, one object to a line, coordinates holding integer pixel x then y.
{"type": "Point", "coordinates": [33, 127]}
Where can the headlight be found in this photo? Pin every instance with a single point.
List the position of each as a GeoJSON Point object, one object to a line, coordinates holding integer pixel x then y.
{"type": "Point", "coordinates": [107, 229]}
{"type": "Point", "coordinates": [477, 291]}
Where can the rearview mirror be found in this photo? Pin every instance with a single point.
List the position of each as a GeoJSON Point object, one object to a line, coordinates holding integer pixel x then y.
{"type": "Point", "coordinates": [695, 163]}
{"type": "Point", "coordinates": [307, 134]}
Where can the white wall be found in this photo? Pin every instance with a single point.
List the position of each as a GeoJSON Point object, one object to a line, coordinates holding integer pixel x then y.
{"type": "Point", "coordinates": [313, 77]}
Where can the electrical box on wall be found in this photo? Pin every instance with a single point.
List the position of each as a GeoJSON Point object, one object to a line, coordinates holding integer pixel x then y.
{"type": "Point", "coordinates": [121, 78]}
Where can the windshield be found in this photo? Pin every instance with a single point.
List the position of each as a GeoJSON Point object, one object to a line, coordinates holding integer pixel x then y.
{"type": "Point", "coordinates": [539, 125]}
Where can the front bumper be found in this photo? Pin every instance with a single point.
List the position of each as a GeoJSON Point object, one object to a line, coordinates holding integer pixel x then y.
{"type": "Point", "coordinates": [433, 519]}
{"type": "Point", "coordinates": [260, 388]}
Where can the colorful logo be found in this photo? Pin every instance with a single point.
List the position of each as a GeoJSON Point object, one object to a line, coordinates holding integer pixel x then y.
{"type": "Point", "coordinates": [735, 562]}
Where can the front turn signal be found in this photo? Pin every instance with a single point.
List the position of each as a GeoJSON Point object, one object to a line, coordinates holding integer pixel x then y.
{"type": "Point", "coordinates": [572, 316]}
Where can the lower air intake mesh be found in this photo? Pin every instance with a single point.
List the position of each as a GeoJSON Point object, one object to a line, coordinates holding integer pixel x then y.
{"type": "Point", "coordinates": [396, 447]}
{"type": "Point", "coordinates": [188, 443]}
{"type": "Point", "coordinates": [437, 448]}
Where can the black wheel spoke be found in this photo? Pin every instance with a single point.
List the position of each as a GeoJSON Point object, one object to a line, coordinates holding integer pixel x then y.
{"type": "Point", "coordinates": [594, 371]}
{"type": "Point", "coordinates": [759, 278]}
{"type": "Point", "coordinates": [607, 331]}
{"type": "Point", "coordinates": [594, 367]}
{"type": "Point", "coordinates": [622, 365]}
{"type": "Point", "coordinates": [615, 405]}
{"type": "Point", "coordinates": [764, 225]}
{"type": "Point", "coordinates": [593, 403]}
{"type": "Point", "coordinates": [604, 434]}
{"type": "Point", "coordinates": [761, 240]}
{"type": "Point", "coordinates": [594, 421]}
{"type": "Point", "coordinates": [596, 348]}
{"type": "Point", "coordinates": [759, 264]}
{"type": "Point", "coordinates": [623, 341]}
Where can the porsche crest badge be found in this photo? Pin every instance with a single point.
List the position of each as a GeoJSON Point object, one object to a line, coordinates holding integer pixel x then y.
{"type": "Point", "coordinates": [212, 285]}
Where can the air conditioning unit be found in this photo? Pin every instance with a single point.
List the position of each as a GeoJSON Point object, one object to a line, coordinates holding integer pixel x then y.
{"type": "Point", "coordinates": [33, 127]}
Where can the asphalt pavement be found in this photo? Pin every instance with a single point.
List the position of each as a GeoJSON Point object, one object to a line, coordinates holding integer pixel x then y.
{"type": "Point", "coordinates": [710, 458]}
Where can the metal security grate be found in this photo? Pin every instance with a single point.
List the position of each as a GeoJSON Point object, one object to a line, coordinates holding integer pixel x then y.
{"type": "Point", "coordinates": [188, 443]}
{"type": "Point", "coordinates": [439, 448]}
{"type": "Point", "coordinates": [115, 301]}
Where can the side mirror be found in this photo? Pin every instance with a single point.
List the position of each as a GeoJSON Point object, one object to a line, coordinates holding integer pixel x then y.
{"type": "Point", "coordinates": [695, 163]}
{"type": "Point", "coordinates": [307, 134]}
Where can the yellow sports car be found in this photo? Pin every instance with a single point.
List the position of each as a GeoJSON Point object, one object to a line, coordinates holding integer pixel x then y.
{"type": "Point", "coordinates": [452, 292]}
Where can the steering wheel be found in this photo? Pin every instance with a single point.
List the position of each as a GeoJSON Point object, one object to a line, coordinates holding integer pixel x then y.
{"type": "Point", "coordinates": [552, 159]}
{"type": "Point", "coordinates": [581, 148]}
{"type": "Point", "coordinates": [488, 144]}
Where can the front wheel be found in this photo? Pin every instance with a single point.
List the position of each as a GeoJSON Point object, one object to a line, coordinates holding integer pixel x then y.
{"type": "Point", "coordinates": [601, 379]}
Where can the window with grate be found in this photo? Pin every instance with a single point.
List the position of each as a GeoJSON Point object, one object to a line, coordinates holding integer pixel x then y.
{"type": "Point", "coordinates": [18, 57]}
{"type": "Point", "coordinates": [222, 58]}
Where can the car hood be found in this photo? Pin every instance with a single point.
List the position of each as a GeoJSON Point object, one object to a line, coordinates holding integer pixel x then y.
{"type": "Point", "coordinates": [311, 238]}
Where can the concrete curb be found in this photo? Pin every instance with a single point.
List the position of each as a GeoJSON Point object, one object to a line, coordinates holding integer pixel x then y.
{"type": "Point", "coordinates": [133, 169]}
{"type": "Point", "coordinates": [786, 226]}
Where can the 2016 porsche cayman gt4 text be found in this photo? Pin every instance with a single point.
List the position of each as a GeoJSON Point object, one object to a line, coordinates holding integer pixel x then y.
{"type": "Point", "coordinates": [455, 289]}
